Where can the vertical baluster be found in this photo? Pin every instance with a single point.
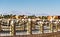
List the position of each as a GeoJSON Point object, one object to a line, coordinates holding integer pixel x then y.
{"type": "Point", "coordinates": [51, 27]}
{"type": "Point", "coordinates": [41, 27]}
{"type": "Point", "coordinates": [0, 25]}
{"type": "Point", "coordinates": [12, 27]}
{"type": "Point", "coordinates": [56, 27]}
{"type": "Point", "coordinates": [29, 29]}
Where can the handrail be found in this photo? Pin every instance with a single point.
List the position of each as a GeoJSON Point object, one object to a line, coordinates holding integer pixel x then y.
{"type": "Point", "coordinates": [29, 23]}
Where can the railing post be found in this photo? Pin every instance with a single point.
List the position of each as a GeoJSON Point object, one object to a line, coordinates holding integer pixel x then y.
{"type": "Point", "coordinates": [51, 27]}
{"type": "Point", "coordinates": [41, 27]}
{"type": "Point", "coordinates": [58, 24]}
{"type": "Point", "coordinates": [12, 28]}
{"type": "Point", "coordinates": [29, 29]}
{"type": "Point", "coordinates": [56, 27]}
{"type": "Point", "coordinates": [0, 25]}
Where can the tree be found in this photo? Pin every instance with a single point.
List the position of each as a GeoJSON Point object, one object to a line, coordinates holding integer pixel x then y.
{"type": "Point", "coordinates": [33, 16]}
{"type": "Point", "coordinates": [44, 17]}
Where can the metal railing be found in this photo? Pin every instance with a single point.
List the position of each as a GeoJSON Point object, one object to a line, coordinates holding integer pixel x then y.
{"type": "Point", "coordinates": [29, 26]}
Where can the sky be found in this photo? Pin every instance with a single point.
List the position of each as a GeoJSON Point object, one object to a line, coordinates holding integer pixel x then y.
{"type": "Point", "coordinates": [30, 7]}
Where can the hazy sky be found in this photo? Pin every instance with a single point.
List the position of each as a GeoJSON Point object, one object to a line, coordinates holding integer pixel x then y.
{"type": "Point", "coordinates": [29, 7]}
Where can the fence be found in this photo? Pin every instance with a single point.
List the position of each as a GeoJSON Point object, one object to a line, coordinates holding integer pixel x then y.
{"type": "Point", "coordinates": [28, 27]}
